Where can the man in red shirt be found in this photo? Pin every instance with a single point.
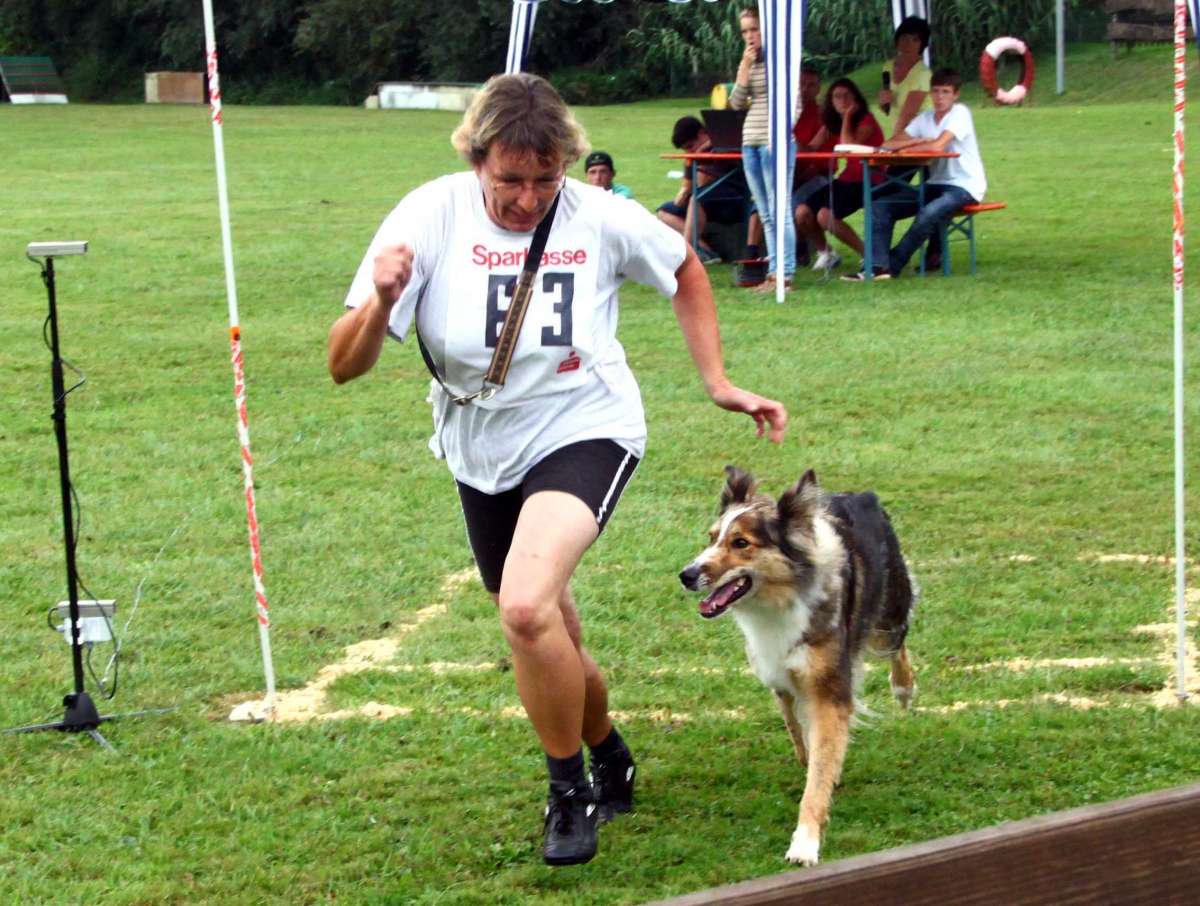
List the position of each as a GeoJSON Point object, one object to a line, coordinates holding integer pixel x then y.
{"type": "Point", "coordinates": [810, 175]}
{"type": "Point", "coordinates": [808, 124]}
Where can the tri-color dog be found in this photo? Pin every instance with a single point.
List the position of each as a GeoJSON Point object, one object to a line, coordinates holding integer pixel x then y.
{"type": "Point", "coordinates": [815, 582]}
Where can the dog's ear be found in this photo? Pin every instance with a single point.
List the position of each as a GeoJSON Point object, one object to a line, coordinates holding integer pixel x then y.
{"type": "Point", "coordinates": [739, 487]}
{"type": "Point", "coordinates": [799, 502]}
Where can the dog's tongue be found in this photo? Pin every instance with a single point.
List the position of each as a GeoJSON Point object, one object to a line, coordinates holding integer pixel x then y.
{"type": "Point", "coordinates": [715, 603]}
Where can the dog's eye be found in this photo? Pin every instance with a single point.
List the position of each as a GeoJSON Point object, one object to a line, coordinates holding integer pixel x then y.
{"type": "Point", "coordinates": [740, 543]}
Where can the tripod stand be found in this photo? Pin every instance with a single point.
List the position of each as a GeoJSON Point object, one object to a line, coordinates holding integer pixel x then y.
{"type": "Point", "coordinates": [81, 714]}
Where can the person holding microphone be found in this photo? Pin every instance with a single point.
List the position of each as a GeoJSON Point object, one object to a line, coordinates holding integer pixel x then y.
{"type": "Point", "coordinates": [905, 91]}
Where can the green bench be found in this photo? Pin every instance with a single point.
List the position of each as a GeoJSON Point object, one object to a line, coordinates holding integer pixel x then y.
{"type": "Point", "coordinates": [963, 223]}
{"type": "Point", "coordinates": [30, 80]}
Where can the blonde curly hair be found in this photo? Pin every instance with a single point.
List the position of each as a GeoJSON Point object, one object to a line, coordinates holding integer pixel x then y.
{"type": "Point", "coordinates": [522, 112]}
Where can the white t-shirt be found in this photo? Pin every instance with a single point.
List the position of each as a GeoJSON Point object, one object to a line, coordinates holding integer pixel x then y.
{"type": "Point", "coordinates": [964, 171]}
{"type": "Point", "coordinates": [568, 380]}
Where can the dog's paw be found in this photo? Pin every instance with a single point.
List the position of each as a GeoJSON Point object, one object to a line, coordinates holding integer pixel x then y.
{"type": "Point", "coordinates": [904, 695]}
{"type": "Point", "coordinates": [805, 847]}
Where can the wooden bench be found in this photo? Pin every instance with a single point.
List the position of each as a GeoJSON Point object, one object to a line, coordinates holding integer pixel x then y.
{"type": "Point", "coordinates": [963, 221]}
{"type": "Point", "coordinates": [1139, 21]}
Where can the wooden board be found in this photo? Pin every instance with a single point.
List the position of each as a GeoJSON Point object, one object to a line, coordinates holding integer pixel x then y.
{"type": "Point", "coordinates": [174, 88]}
{"type": "Point", "coordinates": [1142, 850]}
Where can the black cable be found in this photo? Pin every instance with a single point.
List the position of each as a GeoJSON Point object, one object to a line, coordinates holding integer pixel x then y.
{"type": "Point", "coordinates": [115, 662]}
{"type": "Point", "coordinates": [97, 680]}
{"type": "Point", "coordinates": [104, 690]}
{"type": "Point", "coordinates": [82, 377]}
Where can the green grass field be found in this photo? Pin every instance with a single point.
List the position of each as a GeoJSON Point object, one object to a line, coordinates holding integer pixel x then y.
{"type": "Point", "coordinates": [1017, 424]}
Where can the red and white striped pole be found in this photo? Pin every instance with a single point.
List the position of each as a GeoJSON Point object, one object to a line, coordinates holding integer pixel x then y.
{"type": "Point", "coordinates": [1181, 18]}
{"type": "Point", "coordinates": [239, 376]}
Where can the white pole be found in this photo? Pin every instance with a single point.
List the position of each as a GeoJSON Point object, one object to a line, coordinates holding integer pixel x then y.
{"type": "Point", "coordinates": [1181, 13]}
{"type": "Point", "coordinates": [1059, 44]}
{"type": "Point", "coordinates": [239, 378]}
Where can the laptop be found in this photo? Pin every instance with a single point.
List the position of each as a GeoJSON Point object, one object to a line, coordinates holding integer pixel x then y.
{"type": "Point", "coordinates": [724, 127]}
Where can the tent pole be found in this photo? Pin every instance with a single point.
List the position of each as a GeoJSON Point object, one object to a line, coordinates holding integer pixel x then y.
{"type": "Point", "coordinates": [1059, 44]}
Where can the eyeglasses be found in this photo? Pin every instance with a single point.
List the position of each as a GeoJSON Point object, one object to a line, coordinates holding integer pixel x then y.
{"type": "Point", "coordinates": [543, 187]}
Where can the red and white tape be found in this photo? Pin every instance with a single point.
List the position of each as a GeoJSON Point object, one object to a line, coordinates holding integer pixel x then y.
{"type": "Point", "coordinates": [1181, 19]}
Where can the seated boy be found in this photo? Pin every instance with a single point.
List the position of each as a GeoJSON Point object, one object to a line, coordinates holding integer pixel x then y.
{"type": "Point", "coordinates": [953, 181]}
{"type": "Point", "coordinates": [725, 204]}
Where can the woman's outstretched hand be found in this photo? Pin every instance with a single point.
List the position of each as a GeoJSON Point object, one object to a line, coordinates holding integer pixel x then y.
{"type": "Point", "coordinates": [766, 413]}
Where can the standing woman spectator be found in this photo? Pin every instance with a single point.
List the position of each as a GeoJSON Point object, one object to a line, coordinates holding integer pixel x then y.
{"type": "Point", "coordinates": [907, 75]}
{"type": "Point", "coordinates": [846, 116]}
{"type": "Point", "coordinates": [758, 158]}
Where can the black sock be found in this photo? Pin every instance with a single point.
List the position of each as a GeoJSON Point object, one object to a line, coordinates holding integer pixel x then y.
{"type": "Point", "coordinates": [609, 746]}
{"type": "Point", "coordinates": [753, 252]}
{"type": "Point", "coordinates": [567, 770]}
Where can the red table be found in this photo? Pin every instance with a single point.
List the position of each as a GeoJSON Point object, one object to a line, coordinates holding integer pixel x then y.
{"type": "Point", "coordinates": [872, 162]}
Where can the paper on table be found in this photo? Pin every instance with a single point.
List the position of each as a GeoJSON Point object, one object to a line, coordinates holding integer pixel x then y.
{"type": "Point", "coordinates": [859, 149]}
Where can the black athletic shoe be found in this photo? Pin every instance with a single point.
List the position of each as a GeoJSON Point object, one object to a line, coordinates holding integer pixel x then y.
{"type": "Point", "coordinates": [751, 272]}
{"type": "Point", "coordinates": [612, 784]}
{"type": "Point", "coordinates": [569, 835]}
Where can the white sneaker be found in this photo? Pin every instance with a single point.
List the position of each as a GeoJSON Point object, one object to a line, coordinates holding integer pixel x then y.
{"type": "Point", "coordinates": [827, 259]}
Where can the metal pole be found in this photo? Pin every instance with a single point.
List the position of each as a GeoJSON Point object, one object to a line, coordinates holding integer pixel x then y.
{"type": "Point", "coordinates": [1059, 44]}
{"type": "Point", "coordinates": [64, 474]}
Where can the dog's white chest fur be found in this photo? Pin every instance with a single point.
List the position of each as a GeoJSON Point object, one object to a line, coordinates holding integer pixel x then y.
{"type": "Point", "coordinates": [773, 643]}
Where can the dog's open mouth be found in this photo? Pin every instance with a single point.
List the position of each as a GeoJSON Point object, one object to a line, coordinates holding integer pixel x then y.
{"type": "Point", "coordinates": [718, 602]}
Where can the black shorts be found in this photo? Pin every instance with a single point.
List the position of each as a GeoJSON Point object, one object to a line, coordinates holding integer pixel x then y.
{"type": "Point", "coordinates": [595, 471]}
{"type": "Point", "coordinates": [847, 198]}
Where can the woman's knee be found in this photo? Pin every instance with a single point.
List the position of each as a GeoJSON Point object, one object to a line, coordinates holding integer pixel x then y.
{"type": "Point", "coordinates": [526, 618]}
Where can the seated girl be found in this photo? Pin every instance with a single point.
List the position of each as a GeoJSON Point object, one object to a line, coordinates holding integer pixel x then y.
{"type": "Point", "coordinates": [846, 119]}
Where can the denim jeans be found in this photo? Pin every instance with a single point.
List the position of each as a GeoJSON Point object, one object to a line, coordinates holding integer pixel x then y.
{"type": "Point", "coordinates": [941, 201]}
{"type": "Point", "coordinates": [758, 163]}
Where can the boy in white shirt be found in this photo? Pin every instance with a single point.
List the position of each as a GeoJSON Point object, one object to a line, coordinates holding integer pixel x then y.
{"type": "Point", "coordinates": [952, 183]}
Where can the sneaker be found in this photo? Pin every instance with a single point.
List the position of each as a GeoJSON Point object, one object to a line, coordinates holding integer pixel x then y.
{"type": "Point", "coordinates": [827, 260]}
{"type": "Point", "coordinates": [707, 256]}
{"type": "Point", "coordinates": [881, 273]}
{"type": "Point", "coordinates": [767, 287]}
{"type": "Point", "coordinates": [751, 272]}
{"type": "Point", "coordinates": [612, 785]}
{"type": "Point", "coordinates": [569, 833]}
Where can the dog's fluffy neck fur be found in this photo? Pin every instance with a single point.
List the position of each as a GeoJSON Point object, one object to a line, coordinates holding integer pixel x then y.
{"type": "Point", "coordinates": [780, 620]}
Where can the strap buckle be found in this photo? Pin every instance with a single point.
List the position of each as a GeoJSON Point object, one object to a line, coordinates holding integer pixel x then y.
{"type": "Point", "coordinates": [483, 394]}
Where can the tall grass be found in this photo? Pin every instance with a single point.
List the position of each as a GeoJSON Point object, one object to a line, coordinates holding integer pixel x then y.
{"type": "Point", "coordinates": [842, 35]}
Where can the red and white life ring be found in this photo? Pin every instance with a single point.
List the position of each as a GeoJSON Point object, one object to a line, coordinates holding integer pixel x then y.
{"type": "Point", "coordinates": [987, 70]}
